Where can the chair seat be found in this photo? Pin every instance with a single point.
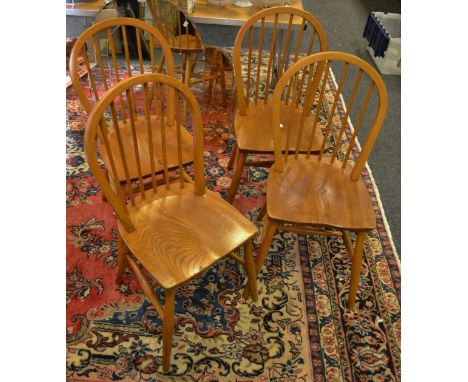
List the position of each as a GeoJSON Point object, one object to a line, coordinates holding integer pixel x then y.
{"type": "Point", "coordinates": [143, 147]}
{"type": "Point", "coordinates": [254, 132]}
{"type": "Point", "coordinates": [180, 234]}
{"type": "Point", "coordinates": [184, 41]}
{"type": "Point", "coordinates": [320, 194]}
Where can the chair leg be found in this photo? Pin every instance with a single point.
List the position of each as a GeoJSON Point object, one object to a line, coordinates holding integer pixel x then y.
{"type": "Point", "coordinates": [348, 244]}
{"type": "Point", "coordinates": [168, 328]}
{"type": "Point", "coordinates": [233, 156]}
{"type": "Point", "coordinates": [262, 212]}
{"type": "Point", "coordinates": [267, 236]}
{"type": "Point", "coordinates": [106, 173]}
{"type": "Point", "coordinates": [222, 79]}
{"type": "Point", "coordinates": [122, 261]}
{"type": "Point", "coordinates": [241, 157]}
{"type": "Point", "coordinates": [356, 269]}
{"type": "Point", "coordinates": [251, 272]}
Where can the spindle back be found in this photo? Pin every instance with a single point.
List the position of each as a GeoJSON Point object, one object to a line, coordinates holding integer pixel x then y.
{"type": "Point", "coordinates": [108, 71]}
{"type": "Point", "coordinates": [358, 90]}
{"type": "Point", "coordinates": [281, 35]}
{"type": "Point", "coordinates": [159, 91]}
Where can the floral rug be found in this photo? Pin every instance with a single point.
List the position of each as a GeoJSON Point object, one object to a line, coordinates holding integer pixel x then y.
{"type": "Point", "coordinates": [299, 330]}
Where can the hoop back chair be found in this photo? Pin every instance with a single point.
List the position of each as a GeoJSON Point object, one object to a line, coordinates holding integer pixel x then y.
{"type": "Point", "coordinates": [324, 194]}
{"type": "Point", "coordinates": [279, 36]}
{"type": "Point", "coordinates": [108, 70]}
{"type": "Point", "coordinates": [183, 38]}
{"type": "Point", "coordinates": [174, 230]}
{"type": "Point", "coordinates": [111, 73]}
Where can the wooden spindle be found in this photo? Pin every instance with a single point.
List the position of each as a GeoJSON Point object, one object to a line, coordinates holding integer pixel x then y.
{"type": "Point", "coordinates": [135, 141]}
{"type": "Point", "coordinates": [349, 106]}
{"type": "Point", "coordinates": [150, 135]}
{"type": "Point", "coordinates": [179, 139]}
{"type": "Point", "coordinates": [332, 111]}
{"type": "Point", "coordinates": [249, 63]}
{"type": "Point", "coordinates": [163, 134]}
{"type": "Point", "coordinates": [90, 76]}
{"type": "Point", "coordinates": [311, 42]}
{"type": "Point", "coordinates": [319, 106]}
{"type": "Point", "coordinates": [123, 155]}
{"type": "Point", "coordinates": [116, 72]}
{"type": "Point", "coordinates": [285, 45]}
{"type": "Point", "coordinates": [259, 59]}
{"type": "Point", "coordinates": [270, 58]}
{"type": "Point", "coordinates": [140, 54]}
{"type": "Point", "coordinates": [100, 64]}
{"type": "Point", "coordinates": [358, 123]}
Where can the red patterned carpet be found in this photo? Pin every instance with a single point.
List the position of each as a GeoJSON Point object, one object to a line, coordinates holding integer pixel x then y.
{"type": "Point", "coordinates": [298, 331]}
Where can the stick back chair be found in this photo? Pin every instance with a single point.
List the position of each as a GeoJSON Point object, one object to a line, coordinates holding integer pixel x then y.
{"type": "Point", "coordinates": [183, 38]}
{"type": "Point", "coordinates": [174, 230]}
{"type": "Point", "coordinates": [324, 194]}
{"type": "Point", "coordinates": [271, 40]}
{"type": "Point", "coordinates": [110, 73]}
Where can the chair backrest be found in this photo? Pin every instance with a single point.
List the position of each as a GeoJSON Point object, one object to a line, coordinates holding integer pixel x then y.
{"type": "Point", "coordinates": [176, 26]}
{"type": "Point", "coordinates": [159, 91]}
{"type": "Point", "coordinates": [279, 36]}
{"type": "Point", "coordinates": [332, 105]}
{"type": "Point", "coordinates": [108, 71]}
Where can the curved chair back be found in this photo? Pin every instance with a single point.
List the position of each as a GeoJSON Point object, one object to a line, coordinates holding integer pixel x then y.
{"type": "Point", "coordinates": [358, 94]}
{"type": "Point", "coordinates": [113, 62]}
{"type": "Point", "coordinates": [271, 41]}
{"type": "Point", "coordinates": [125, 158]}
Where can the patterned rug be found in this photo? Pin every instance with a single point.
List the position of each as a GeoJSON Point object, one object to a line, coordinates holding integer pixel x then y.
{"type": "Point", "coordinates": [298, 331]}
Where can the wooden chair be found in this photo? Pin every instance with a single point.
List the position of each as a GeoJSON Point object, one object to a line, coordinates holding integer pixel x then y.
{"type": "Point", "coordinates": [324, 194]}
{"type": "Point", "coordinates": [178, 229]}
{"type": "Point", "coordinates": [183, 38]}
{"type": "Point", "coordinates": [110, 73]}
{"type": "Point", "coordinates": [280, 36]}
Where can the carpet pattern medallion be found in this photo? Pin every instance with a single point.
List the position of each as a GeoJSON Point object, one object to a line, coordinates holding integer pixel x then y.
{"type": "Point", "coordinates": [298, 331]}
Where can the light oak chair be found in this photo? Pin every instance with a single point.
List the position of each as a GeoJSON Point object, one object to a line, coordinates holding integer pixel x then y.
{"type": "Point", "coordinates": [89, 46]}
{"type": "Point", "coordinates": [280, 36]}
{"type": "Point", "coordinates": [183, 38]}
{"type": "Point", "coordinates": [175, 230]}
{"type": "Point", "coordinates": [324, 194]}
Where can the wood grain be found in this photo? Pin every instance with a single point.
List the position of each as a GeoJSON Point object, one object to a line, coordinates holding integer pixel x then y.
{"type": "Point", "coordinates": [179, 234]}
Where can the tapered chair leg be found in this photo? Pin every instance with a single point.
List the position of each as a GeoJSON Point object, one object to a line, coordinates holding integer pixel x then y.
{"type": "Point", "coordinates": [251, 272]}
{"type": "Point", "coordinates": [122, 261]}
{"type": "Point", "coordinates": [222, 79]}
{"type": "Point", "coordinates": [262, 212]}
{"type": "Point", "coordinates": [232, 159]}
{"type": "Point", "coordinates": [348, 244]}
{"type": "Point", "coordinates": [267, 236]}
{"type": "Point", "coordinates": [356, 269]}
{"type": "Point", "coordinates": [241, 157]}
{"type": "Point", "coordinates": [168, 328]}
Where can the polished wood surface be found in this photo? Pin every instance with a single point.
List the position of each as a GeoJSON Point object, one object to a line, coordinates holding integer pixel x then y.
{"type": "Point", "coordinates": [179, 234]}
{"type": "Point", "coordinates": [313, 192]}
{"type": "Point", "coordinates": [324, 193]}
{"type": "Point", "coordinates": [88, 8]}
{"type": "Point", "coordinates": [253, 118]}
{"type": "Point", "coordinates": [254, 132]}
{"type": "Point", "coordinates": [171, 144]}
{"type": "Point", "coordinates": [175, 229]}
{"type": "Point", "coordinates": [204, 13]}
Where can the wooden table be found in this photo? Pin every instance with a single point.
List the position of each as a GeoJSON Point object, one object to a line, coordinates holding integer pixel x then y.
{"type": "Point", "coordinates": [88, 8]}
{"type": "Point", "coordinates": [204, 13]}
